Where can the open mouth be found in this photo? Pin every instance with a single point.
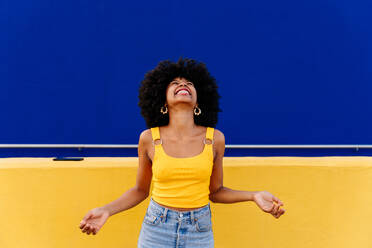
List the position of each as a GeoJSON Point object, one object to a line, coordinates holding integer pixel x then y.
{"type": "Point", "coordinates": [183, 91]}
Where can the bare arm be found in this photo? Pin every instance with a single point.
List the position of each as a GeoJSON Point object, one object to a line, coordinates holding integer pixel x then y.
{"type": "Point", "coordinates": [140, 191]}
{"type": "Point", "coordinates": [97, 217]}
{"type": "Point", "coordinates": [221, 194]}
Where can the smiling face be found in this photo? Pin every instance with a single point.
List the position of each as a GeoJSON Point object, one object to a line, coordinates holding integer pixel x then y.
{"type": "Point", "coordinates": [181, 90]}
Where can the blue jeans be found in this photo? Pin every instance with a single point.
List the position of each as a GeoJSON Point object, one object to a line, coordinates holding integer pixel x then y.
{"type": "Point", "coordinates": [165, 228]}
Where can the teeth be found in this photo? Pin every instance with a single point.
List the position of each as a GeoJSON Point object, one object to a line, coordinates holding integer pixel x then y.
{"type": "Point", "coordinates": [183, 92]}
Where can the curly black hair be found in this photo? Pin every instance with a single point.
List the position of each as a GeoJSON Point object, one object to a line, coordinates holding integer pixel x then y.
{"type": "Point", "coordinates": [152, 92]}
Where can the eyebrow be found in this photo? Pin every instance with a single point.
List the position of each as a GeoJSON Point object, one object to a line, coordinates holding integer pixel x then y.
{"type": "Point", "coordinates": [180, 81]}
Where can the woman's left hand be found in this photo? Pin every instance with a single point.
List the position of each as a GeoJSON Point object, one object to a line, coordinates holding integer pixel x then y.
{"type": "Point", "coordinates": [269, 203]}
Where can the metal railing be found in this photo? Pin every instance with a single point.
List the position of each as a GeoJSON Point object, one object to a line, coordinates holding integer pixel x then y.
{"type": "Point", "coordinates": [81, 146]}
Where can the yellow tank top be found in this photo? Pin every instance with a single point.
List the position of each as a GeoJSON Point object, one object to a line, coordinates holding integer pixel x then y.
{"type": "Point", "coordinates": [182, 182]}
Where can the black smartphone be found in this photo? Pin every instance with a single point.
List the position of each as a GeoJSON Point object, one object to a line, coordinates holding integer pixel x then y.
{"type": "Point", "coordinates": [67, 159]}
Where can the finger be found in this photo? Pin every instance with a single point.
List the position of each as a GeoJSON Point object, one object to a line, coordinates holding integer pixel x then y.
{"type": "Point", "coordinates": [275, 209]}
{"type": "Point", "coordinates": [95, 230]}
{"type": "Point", "coordinates": [92, 227]}
{"type": "Point", "coordinates": [89, 229]}
{"type": "Point", "coordinates": [276, 199]}
{"type": "Point", "coordinates": [277, 215]}
{"type": "Point", "coordinates": [82, 224]}
{"type": "Point", "coordinates": [271, 208]}
{"type": "Point", "coordinates": [86, 228]}
{"type": "Point", "coordinates": [280, 213]}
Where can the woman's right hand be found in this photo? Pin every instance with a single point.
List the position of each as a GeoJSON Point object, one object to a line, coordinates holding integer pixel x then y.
{"type": "Point", "coordinates": [94, 220]}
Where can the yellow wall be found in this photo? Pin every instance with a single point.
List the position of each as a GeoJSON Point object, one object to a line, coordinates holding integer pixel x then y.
{"type": "Point", "coordinates": [328, 202]}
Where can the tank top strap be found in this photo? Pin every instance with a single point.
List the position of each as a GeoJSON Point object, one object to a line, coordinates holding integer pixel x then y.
{"type": "Point", "coordinates": [155, 133]}
{"type": "Point", "coordinates": [209, 135]}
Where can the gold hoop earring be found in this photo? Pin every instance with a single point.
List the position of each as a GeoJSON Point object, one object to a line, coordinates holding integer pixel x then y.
{"type": "Point", "coordinates": [164, 111]}
{"type": "Point", "coordinates": [199, 110]}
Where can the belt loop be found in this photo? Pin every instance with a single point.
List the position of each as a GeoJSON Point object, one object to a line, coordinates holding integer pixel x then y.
{"type": "Point", "coordinates": [192, 217]}
{"type": "Point", "coordinates": [164, 214]}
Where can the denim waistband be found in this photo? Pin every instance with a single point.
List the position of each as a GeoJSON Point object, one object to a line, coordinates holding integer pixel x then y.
{"type": "Point", "coordinates": [165, 212]}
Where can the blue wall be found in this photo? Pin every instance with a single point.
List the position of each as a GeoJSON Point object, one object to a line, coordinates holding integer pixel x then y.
{"type": "Point", "coordinates": [289, 72]}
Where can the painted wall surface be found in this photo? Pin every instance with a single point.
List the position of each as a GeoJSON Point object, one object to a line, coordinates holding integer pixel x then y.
{"type": "Point", "coordinates": [327, 202]}
{"type": "Point", "coordinates": [289, 72]}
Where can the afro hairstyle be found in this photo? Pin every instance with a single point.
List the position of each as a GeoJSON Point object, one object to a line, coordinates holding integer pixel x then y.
{"type": "Point", "coordinates": [152, 91]}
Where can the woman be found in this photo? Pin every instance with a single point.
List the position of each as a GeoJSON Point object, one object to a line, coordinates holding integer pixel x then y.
{"type": "Point", "coordinates": [182, 152]}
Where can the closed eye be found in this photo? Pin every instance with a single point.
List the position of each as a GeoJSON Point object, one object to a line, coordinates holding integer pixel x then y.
{"type": "Point", "coordinates": [176, 82]}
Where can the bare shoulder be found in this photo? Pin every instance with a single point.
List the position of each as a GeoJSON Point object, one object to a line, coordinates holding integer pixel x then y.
{"type": "Point", "coordinates": [144, 144]}
{"type": "Point", "coordinates": [219, 137]}
{"type": "Point", "coordinates": [219, 144]}
{"type": "Point", "coordinates": [145, 137]}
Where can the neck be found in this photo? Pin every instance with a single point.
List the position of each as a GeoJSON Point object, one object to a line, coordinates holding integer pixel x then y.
{"type": "Point", "coordinates": [181, 121]}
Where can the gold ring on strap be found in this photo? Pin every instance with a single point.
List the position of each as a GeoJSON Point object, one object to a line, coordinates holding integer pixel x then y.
{"type": "Point", "coordinates": [161, 142]}
{"type": "Point", "coordinates": [204, 141]}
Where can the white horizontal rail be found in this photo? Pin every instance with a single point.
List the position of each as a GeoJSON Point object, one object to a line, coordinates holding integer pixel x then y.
{"type": "Point", "coordinates": [136, 146]}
